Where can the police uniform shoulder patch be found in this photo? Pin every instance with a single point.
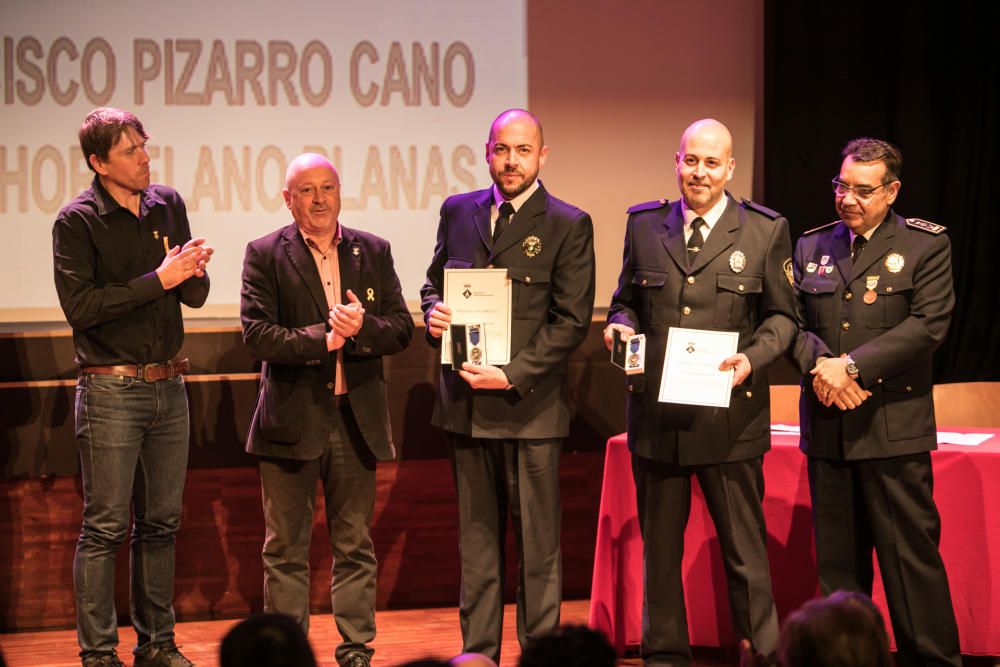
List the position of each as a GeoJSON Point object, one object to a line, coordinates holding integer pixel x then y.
{"type": "Point", "coordinates": [763, 210]}
{"type": "Point", "coordinates": [925, 226]}
{"type": "Point", "coordinates": [648, 206]}
{"type": "Point", "coordinates": [820, 228]}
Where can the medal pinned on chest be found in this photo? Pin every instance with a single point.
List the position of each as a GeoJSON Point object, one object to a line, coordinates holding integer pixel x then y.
{"type": "Point", "coordinates": [737, 261]}
{"type": "Point", "coordinates": [871, 282]}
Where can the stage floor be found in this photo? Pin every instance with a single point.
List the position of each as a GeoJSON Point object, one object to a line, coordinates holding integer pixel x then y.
{"type": "Point", "coordinates": [402, 636]}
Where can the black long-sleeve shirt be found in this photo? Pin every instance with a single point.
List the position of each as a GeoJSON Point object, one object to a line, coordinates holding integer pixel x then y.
{"type": "Point", "coordinates": [105, 261]}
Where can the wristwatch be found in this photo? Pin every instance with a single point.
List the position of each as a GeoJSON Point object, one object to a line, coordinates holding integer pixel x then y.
{"type": "Point", "coordinates": [852, 368]}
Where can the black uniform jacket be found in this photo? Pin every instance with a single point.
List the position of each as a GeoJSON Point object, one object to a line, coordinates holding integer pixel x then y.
{"type": "Point", "coordinates": [906, 265]}
{"type": "Point", "coordinates": [740, 281]}
{"type": "Point", "coordinates": [548, 251]}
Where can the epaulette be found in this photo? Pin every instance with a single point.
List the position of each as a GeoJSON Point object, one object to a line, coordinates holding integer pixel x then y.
{"type": "Point", "coordinates": [763, 210]}
{"type": "Point", "coordinates": [647, 206]}
{"type": "Point", "coordinates": [821, 227]}
{"type": "Point", "coordinates": [925, 226]}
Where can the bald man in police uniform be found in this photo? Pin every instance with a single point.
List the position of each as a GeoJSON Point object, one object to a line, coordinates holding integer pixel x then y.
{"type": "Point", "coordinates": [870, 325]}
{"type": "Point", "coordinates": [710, 262]}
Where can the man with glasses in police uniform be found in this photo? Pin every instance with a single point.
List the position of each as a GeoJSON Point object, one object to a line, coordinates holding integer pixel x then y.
{"type": "Point", "coordinates": [874, 301]}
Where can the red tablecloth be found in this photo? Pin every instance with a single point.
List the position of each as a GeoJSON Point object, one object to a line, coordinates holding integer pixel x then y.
{"type": "Point", "coordinates": [966, 489]}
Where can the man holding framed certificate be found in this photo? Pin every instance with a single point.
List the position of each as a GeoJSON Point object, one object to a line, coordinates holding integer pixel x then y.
{"type": "Point", "coordinates": [507, 424]}
{"type": "Point", "coordinates": [711, 275]}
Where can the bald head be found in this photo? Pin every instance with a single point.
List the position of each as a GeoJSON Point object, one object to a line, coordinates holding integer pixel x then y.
{"type": "Point", "coordinates": [709, 129]}
{"type": "Point", "coordinates": [704, 164]}
{"type": "Point", "coordinates": [515, 151]}
{"type": "Point", "coordinates": [312, 194]}
{"type": "Point", "coordinates": [305, 162]}
{"type": "Point", "coordinates": [521, 117]}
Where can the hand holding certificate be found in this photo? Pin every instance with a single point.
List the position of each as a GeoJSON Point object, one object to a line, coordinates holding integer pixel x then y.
{"type": "Point", "coordinates": [691, 363]}
{"type": "Point", "coordinates": [482, 297]}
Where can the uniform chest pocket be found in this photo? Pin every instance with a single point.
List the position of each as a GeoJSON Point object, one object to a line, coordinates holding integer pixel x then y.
{"type": "Point", "coordinates": [736, 300]}
{"type": "Point", "coordinates": [892, 303]}
{"type": "Point", "coordinates": [817, 296]}
{"type": "Point", "coordinates": [648, 285]}
{"type": "Point", "coordinates": [532, 289]}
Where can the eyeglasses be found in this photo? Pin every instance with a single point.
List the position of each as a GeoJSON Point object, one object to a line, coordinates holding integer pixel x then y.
{"type": "Point", "coordinates": [859, 191]}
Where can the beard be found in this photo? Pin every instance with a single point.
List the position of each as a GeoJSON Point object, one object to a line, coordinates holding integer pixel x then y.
{"type": "Point", "coordinates": [514, 189]}
{"type": "Point", "coordinates": [700, 197]}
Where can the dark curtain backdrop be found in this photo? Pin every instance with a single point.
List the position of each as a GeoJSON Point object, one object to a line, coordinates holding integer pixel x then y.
{"type": "Point", "coordinates": [924, 77]}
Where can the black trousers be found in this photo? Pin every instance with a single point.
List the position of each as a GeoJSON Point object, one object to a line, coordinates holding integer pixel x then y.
{"type": "Point", "coordinates": [733, 494]}
{"type": "Point", "coordinates": [492, 477]}
{"type": "Point", "coordinates": [887, 505]}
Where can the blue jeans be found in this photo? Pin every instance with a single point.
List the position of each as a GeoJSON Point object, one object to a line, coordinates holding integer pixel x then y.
{"type": "Point", "coordinates": [133, 440]}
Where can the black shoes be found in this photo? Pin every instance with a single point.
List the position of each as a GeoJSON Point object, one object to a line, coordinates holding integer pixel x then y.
{"type": "Point", "coordinates": [357, 659]}
{"type": "Point", "coordinates": [103, 660]}
{"type": "Point", "coordinates": [166, 655]}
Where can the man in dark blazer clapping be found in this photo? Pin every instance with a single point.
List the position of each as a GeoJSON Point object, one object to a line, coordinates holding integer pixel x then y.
{"type": "Point", "coordinates": [507, 424]}
{"type": "Point", "coordinates": [321, 304]}
{"type": "Point", "coordinates": [707, 262]}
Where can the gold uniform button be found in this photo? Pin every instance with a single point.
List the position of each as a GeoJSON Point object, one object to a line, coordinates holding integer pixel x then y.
{"type": "Point", "coordinates": [888, 290]}
{"type": "Point", "coordinates": [741, 288]}
{"type": "Point", "coordinates": [845, 325]}
{"type": "Point", "coordinates": [879, 380]}
{"type": "Point", "coordinates": [686, 310]}
{"type": "Point", "coordinates": [631, 389]}
{"type": "Point", "coordinates": [644, 282]}
{"type": "Point", "coordinates": [749, 394]}
{"type": "Point", "coordinates": [690, 280]}
{"type": "Point", "coordinates": [848, 296]}
{"type": "Point", "coordinates": [909, 388]}
{"type": "Point", "coordinates": [527, 279]}
{"type": "Point", "coordinates": [329, 385]}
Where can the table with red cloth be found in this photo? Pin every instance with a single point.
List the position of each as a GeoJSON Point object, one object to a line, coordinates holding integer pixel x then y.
{"type": "Point", "coordinates": [966, 489]}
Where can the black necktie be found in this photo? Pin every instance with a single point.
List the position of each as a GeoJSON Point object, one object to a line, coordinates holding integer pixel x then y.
{"type": "Point", "coordinates": [856, 246]}
{"type": "Point", "coordinates": [506, 210]}
{"type": "Point", "coordinates": [696, 241]}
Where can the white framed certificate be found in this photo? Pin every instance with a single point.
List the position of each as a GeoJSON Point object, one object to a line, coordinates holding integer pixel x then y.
{"type": "Point", "coordinates": [691, 372]}
{"type": "Point", "coordinates": [484, 297]}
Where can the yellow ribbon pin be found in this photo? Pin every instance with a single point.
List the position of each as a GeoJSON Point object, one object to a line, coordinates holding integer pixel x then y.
{"type": "Point", "coordinates": [371, 294]}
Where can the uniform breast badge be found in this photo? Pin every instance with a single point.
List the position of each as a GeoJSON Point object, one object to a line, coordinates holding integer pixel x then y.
{"type": "Point", "coordinates": [532, 246]}
{"type": "Point", "coordinates": [737, 261]}
{"type": "Point", "coordinates": [894, 262]}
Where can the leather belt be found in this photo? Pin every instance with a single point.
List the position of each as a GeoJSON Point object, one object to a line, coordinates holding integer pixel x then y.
{"type": "Point", "coordinates": [144, 372]}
